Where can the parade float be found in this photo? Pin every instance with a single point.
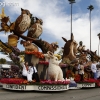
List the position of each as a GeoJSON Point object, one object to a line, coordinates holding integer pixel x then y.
{"type": "Point", "coordinates": [56, 72]}
{"type": "Point", "coordinates": [12, 79]}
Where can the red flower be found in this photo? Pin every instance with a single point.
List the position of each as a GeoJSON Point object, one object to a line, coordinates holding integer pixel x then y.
{"type": "Point", "coordinates": [54, 82]}
{"type": "Point", "coordinates": [77, 77]}
{"type": "Point", "coordinates": [44, 62]}
{"type": "Point", "coordinates": [12, 80]}
{"type": "Point", "coordinates": [36, 53]}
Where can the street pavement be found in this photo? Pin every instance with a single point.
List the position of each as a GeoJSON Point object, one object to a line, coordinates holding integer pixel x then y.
{"type": "Point", "coordinates": [80, 94]}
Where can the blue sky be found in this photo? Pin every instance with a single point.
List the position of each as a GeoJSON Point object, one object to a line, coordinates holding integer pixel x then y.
{"type": "Point", "coordinates": [56, 19]}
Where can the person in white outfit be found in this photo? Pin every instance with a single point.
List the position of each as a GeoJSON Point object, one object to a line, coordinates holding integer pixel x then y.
{"type": "Point", "coordinates": [98, 73]}
{"type": "Point", "coordinates": [27, 71]}
{"type": "Point", "coordinates": [94, 69]}
{"type": "Point", "coordinates": [30, 73]}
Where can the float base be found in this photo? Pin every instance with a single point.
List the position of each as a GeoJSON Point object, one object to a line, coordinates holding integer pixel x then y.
{"type": "Point", "coordinates": [86, 85]}
{"type": "Point", "coordinates": [35, 87]}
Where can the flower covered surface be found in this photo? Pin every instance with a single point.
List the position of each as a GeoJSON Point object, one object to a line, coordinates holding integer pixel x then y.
{"type": "Point", "coordinates": [36, 53]}
{"type": "Point", "coordinates": [91, 80]}
{"type": "Point", "coordinates": [23, 81]}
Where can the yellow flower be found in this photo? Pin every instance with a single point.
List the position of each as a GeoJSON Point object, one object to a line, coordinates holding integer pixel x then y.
{"type": "Point", "coordinates": [58, 56]}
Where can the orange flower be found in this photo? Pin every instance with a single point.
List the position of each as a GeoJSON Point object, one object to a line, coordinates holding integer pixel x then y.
{"type": "Point", "coordinates": [36, 53]}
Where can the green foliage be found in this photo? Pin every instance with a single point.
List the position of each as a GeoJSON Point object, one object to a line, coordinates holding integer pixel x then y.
{"type": "Point", "coordinates": [2, 61]}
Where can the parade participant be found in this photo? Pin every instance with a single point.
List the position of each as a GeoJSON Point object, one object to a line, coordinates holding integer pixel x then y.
{"type": "Point", "coordinates": [98, 73]}
{"type": "Point", "coordinates": [94, 69]}
{"type": "Point", "coordinates": [25, 69]}
{"type": "Point", "coordinates": [75, 68]}
{"type": "Point", "coordinates": [81, 71]}
{"type": "Point", "coordinates": [87, 69]}
{"type": "Point", "coordinates": [29, 73]}
{"type": "Point", "coordinates": [98, 62]}
{"type": "Point", "coordinates": [34, 74]}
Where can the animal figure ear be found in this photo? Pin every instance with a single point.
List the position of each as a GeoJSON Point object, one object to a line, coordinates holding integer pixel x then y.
{"type": "Point", "coordinates": [51, 55]}
{"type": "Point", "coordinates": [36, 18]}
{"type": "Point", "coordinates": [22, 9]}
{"type": "Point", "coordinates": [64, 39]}
{"type": "Point", "coordinates": [72, 37]}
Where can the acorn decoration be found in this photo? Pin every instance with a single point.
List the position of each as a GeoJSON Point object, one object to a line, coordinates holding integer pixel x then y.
{"type": "Point", "coordinates": [35, 29]}
{"type": "Point", "coordinates": [12, 40]}
{"type": "Point", "coordinates": [22, 23]}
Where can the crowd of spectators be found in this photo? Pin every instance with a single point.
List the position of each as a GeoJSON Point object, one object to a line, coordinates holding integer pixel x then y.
{"type": "Point", "coordinates": [13, 72]}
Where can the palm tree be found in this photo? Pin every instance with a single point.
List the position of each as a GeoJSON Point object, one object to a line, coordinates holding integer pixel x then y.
{"type": "Point", "coordinates": [90, 8]}
{"type": "Point", "coordinates": [99, 43]}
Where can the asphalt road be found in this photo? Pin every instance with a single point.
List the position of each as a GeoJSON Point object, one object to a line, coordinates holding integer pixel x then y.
{"type": "Point", "coordinates": [81, 94]}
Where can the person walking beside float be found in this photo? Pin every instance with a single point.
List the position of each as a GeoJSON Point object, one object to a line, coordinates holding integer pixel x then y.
{"type": "Point", "coordinates": [94, 69]}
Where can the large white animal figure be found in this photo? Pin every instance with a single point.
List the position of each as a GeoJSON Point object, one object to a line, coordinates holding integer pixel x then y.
{"type": "Point", "coordinates": [54, 71]}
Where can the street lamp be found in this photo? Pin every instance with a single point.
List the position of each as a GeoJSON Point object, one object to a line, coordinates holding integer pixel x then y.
{"type": "Point", "coordinates": [71, 2]}
{"type": "Point", "coordinates": [90, 8]}
{"type": "Point", "coordinates": [99, 43]}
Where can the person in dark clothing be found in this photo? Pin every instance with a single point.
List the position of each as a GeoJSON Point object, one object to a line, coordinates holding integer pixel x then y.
{"type": "Point", "coordinates": [35, 75]}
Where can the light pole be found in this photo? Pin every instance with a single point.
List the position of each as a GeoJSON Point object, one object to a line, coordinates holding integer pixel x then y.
{"type": "Point", "coordinates": [99, 43]}
{"type": "Point", "coordinates": [71, 2]}
{"type": "Point", "coordinates": [90, 8]}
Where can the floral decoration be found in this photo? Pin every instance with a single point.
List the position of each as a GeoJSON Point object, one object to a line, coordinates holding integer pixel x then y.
{"type": "Point", "coordinates": [23, 81]}
{"type": "Point", "coordinates": [54, 82]}
{"type": "Point", "coordinates": [91, 80]}
{"type": "Point", "coordinates": [69, 73]}
{"type": "Point", "coordinates": [12, 81]}
{"type": "Point", "coordinates": [44, 62]}
{"type": "Point", "coordinates": [15, 81]}
{"type": "Point", "coordinates": [36, 53]}
{"type": "Point", "coordinates": [77, 78]}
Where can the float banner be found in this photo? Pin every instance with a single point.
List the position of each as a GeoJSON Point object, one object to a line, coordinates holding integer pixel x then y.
{"type": "Point", "coordinates": [36, 87]}
{"type": "Point", "coordinates": [85, 85]}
